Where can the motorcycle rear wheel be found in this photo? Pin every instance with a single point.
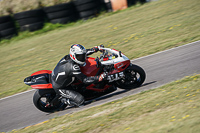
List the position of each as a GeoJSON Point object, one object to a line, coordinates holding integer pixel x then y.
{"type": "Point", "coordinates": [134, 77]}
{"type": "Point", "coordinates": [42, 98]}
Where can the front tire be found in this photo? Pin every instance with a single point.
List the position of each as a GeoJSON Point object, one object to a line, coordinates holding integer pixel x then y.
{"type": "Point", "coordinates": [42, 98]}
{"type": "Point", "coordinates": [134, 77]}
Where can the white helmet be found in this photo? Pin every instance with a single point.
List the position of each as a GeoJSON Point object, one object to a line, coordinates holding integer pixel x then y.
{"type": "Point", "coordinates": [78, 53]}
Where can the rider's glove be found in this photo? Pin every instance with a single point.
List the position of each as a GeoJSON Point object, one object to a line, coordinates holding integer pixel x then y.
{"type": "Point", "coordinates": [100, 48]}
{"type": "Point", "coordinates": [96, 49]}
{"type": "Point", "coordinates": [103, 76]}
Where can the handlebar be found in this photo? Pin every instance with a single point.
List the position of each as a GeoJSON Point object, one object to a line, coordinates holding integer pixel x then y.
{"type": "Point", "coordinates": [111, 56]}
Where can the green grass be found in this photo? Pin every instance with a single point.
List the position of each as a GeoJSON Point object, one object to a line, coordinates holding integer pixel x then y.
{"type": "Point", "coordinates": [136, 31]}
{"type": "Point", "coordinates": [171, 108]}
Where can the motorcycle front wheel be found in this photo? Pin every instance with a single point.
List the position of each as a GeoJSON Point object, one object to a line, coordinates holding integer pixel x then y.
{"type": "Point", "coordinates": [42, 99]}
{"type": "Point", "coordinates": [134, 77]}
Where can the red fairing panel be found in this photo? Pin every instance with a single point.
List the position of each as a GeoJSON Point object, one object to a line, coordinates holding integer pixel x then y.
{"type": "Point", "coordinates": [90, 69]}
{"type": "Point", "coordinates": [121, 66]}
{"type": "Point", "coordinates": [92, 87]}
{"type": "Point", "coordinates": [41, 72]}
{"type": "Point", "coordinates": [42, 86]}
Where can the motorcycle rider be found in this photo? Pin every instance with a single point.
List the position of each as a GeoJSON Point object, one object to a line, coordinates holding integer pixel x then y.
{"type": "Point", "coordinates": [68, 69]}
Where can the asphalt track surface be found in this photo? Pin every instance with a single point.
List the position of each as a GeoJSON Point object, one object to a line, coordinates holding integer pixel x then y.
{"type": "Point", "coordinates": [18, 111]}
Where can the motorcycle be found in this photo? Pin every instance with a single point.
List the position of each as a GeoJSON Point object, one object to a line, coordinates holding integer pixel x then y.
{"type": "Point", "coordinates": [121, 74]}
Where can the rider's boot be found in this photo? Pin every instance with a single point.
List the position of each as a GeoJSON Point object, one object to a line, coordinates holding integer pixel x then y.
{"type": "Point", "coordinates": [71, 97]}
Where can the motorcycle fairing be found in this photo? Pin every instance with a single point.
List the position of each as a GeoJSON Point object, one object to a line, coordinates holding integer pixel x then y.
{"type": "Point", "coordinates": [90, 69]}
{"type": "Point", "coordinates": [42, 86]}
{"type": "Point", "coordinates": [121, 66]}
{"type": "Point", "coordinates": [92, 87]}
{"type": "Point", "coordinates": [41, 72]}
{"type": "Point", "coordinates": [39, 80]}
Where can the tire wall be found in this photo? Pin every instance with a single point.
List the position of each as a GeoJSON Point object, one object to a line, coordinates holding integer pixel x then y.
{"type": "Point", "coordinates": [62, 13]}
{"type": "Point", "coordinates": [7, 27]}
{"type": "Point", "coordinates": [33, 20]}
{"type": "Point", "coordinates": [87, 8]}
{"type": "Point", "coordinates": [30, 20]}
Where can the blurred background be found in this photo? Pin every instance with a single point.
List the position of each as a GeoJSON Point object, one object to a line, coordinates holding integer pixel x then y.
{"type": "Point", "coordinates": [31, 15]}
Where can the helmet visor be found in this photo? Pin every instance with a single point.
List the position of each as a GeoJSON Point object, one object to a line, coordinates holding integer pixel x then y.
{"type": "Point", "coordinates": [81, 57]}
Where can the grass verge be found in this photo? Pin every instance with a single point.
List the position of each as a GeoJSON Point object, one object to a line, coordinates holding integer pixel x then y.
{"type": "Point", "coordinates": [136, 31]}
{"type": "Point", "coordinates": [171, 108]}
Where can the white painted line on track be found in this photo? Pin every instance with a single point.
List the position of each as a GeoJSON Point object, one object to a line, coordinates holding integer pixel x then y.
{"type": "Point", "coordinates": [16, 94]}
{"type": "Point", "coordinates": [131, 60]}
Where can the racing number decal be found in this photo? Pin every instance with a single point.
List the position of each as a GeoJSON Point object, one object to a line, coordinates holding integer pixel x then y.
{"type": "Point", "coordinates": [115, 77]}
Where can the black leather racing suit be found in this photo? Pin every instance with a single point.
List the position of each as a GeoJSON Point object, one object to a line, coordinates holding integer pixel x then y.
{"type": "Point", "coordinates": [65, 73]}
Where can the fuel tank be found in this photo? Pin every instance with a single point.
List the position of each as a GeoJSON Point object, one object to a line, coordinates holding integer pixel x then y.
{"type": "Point", "coordinates": [90, 68]}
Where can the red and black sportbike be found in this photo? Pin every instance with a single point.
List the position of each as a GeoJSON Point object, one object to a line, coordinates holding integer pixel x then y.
{"type": "Point", "coordinates": [121, 73]}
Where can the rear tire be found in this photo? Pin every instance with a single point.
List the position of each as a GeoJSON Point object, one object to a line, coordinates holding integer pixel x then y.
{"type": "Point", "coordinates": [42, 97]}
{"type": "Point", "coordinates": [134, 77]}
